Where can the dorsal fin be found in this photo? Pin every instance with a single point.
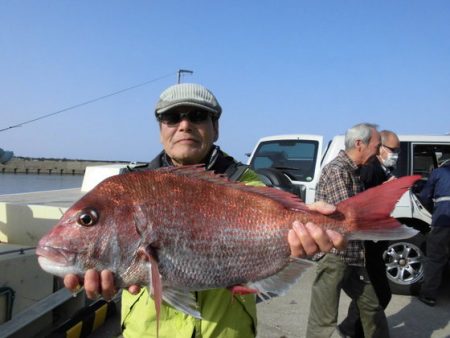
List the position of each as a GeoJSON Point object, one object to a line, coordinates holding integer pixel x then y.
{"type": "Point", "coordinates": [288, 200]}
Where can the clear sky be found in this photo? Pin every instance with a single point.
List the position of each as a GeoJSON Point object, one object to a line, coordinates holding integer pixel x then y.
{"type": "Point", "coordinates": [276, 67]}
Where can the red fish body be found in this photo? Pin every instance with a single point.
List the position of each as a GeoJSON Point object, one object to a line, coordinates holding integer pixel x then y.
{"type": "Point", "coordinates": [197, 230]}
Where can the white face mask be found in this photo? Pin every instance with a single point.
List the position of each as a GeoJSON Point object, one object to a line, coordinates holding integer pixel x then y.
{"type": "Point", "coordinates": [391, 160]}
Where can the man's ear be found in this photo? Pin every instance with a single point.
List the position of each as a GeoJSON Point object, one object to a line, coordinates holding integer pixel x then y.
{"type": "Point", "coordinates": [215, 123]}
{"type": "Point", "coordinates": [160, 134]}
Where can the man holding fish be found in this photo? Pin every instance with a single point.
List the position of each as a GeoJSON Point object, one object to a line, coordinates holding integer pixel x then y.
{"type": "Point", "coordinates": [188, 115]}
{"type": "Point", "coordinates": [203, 243]}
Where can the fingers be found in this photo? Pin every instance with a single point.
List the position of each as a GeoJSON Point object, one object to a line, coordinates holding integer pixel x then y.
{"type": "Point", "coordinates": [134, 289]}
{"type": "Point", "coordinates": [339, 241]}
{"type": "Point", "coordinates": [107, 285]}
{"type": "Point", "coordinates": [295, 244]}
{"type": "Point", "coordinates": [300, 241]}
{"type": "Point", "coordinates": [322, 207]}
{"type": "Point", "coordinates": [320, 237]}
{"type": "Point", "coordinates": [309, 239]}
{"type": "Point", "coordinates": [95, 284]}
{"type": "Point", "coordinates": [72, 282]}
{"type": "Point", "coordinates": [92, 284]}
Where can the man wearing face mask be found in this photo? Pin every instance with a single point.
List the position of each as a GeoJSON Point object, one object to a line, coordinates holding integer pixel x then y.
{"type": "Point", "coordinates": [377, 171]}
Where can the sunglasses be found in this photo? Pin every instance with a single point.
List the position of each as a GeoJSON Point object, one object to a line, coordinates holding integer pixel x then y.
{"type": "Point", "coordinates": [194, 116]}
{"type": "Point", "coordinates": [393, 150]}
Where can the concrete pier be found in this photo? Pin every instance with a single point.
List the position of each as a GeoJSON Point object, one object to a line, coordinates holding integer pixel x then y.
{"type": "Point", "coordinates": [287, 316]}
{"type": "Point", "coordinates": [47, 166]}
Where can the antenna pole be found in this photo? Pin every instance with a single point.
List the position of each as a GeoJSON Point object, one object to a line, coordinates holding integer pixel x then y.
{"type": "Point", "coordinates": [182, 71]}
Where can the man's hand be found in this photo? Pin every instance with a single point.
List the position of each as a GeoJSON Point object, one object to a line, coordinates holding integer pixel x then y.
{"type": "Point", "coordinates": [96, 284]}
{"type": "Point", "coordinates": [308, 239]}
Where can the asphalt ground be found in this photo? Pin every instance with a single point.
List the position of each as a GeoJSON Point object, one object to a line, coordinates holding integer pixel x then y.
{"type": "Point", "coordinates": [286, 316]}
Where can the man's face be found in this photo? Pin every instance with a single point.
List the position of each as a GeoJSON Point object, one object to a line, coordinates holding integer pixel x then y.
{"type": "Point", "coordinates": [371, 149]}
{"type": "Point", "coordinates": [189, 140]}
{"type": "Point", "coordinates": [391, 145]}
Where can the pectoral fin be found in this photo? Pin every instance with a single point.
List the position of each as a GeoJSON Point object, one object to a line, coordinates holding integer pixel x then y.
{"type": "Point", "coordinates": [182, 300]}
{"type": "Point", "coordinates": [155, 283]}
{"type": "Point", "coordinates": [281, 282]}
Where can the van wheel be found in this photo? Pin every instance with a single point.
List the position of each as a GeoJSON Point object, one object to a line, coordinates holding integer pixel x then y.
{"type": "Point", "coordinates": [404, 265]}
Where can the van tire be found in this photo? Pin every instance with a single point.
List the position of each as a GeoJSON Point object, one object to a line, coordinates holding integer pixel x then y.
{"type": "Point", "coordinates": [404, 265]}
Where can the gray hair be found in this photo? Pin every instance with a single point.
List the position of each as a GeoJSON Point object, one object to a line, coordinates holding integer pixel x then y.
{"type": "Point", "coordinates": [361, 131]}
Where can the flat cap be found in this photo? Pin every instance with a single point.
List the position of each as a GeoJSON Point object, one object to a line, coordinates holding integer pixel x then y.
{"type": "Point", "coordinates": [188, 94]}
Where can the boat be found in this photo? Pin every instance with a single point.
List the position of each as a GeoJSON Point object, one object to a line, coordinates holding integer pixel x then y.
{"type": "Point", "coordinates": [34, 303]}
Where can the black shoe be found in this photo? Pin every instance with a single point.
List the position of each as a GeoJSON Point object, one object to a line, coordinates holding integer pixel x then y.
{"type": "Point", "coordinates": [427, 300]}
{"type": "Point", "coordinates": [341, 333]}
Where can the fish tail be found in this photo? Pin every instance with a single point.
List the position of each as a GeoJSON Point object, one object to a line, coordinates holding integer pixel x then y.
{"type": "Point", "coordinates": [368, 215]}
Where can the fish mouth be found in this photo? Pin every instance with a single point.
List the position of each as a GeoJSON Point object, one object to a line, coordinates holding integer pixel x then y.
{"type": "Point", "coordinates": [57, 256]}
{"type": "Point", "coordinates": [57, 261]}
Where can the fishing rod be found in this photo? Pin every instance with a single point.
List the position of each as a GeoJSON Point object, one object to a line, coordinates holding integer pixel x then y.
{"type": "Point", "coordinates": [89, 101]}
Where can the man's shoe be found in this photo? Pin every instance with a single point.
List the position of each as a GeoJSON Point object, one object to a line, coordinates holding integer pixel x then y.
{"type": "Point", "coordinates": [427, 300]}
{"type": "Point", "coordinates": [341, 333]}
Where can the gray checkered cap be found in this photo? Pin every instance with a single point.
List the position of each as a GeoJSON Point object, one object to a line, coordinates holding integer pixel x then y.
{"type": "Point", "coordinates": [188, 94]}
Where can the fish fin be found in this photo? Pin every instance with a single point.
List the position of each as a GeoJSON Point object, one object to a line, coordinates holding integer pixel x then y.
{"type": "Point", "coordinates": [182, 300]}
{"type": "Point", "coordinates": [280, 283]}
{"type": "Point", "coordinates": [371, 209]}
{"type": "Point", "coordinates": [155, 283]}
{"type": "Point", "coordinates": [156, 289]}
{"type": "Point", "coordinates": [286, 199]}
{"type": "Point", "coordinates": [241, 290]}
{"type": "Point", "coordinates": [401, 232]}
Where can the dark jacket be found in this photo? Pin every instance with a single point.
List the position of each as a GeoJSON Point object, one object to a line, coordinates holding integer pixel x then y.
{"type": "Point", "coordinates": [216, 160]}
{"type": "Point", "coordinates": [373, 173]}
{"type": "Point", "coordinates": [435, 190]}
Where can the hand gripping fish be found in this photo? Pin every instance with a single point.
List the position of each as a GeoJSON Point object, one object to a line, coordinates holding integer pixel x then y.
{"type": "Point", "coordinates": [182, 229]}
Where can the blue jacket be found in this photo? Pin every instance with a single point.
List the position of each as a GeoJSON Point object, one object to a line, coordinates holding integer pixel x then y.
{"type": "Point", "coordinates": [438, 186]}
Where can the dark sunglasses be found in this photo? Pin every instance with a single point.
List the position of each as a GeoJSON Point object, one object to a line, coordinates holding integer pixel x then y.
{"type": "Point", "coordinates": [393, 150]}
{"type": "Point", "coordinates": [194, 116]}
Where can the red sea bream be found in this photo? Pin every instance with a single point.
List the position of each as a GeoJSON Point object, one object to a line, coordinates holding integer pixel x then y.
{"type": "Point", "coordinates": [183, 229]}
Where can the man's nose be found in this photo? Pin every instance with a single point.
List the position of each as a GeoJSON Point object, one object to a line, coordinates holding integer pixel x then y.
{"type": "Point", "coordinates": [184, 123]}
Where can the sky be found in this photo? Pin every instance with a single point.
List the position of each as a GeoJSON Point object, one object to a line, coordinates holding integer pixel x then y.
{"type": "Point", "coordinates": [276, 67]}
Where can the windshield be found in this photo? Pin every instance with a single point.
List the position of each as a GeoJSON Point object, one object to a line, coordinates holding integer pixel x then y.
{"type": "Point", "coordinates": [296, 158]}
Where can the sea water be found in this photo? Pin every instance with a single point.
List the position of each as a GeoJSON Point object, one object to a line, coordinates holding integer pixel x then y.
{"type": "Point", "coordinates": [20, 183]}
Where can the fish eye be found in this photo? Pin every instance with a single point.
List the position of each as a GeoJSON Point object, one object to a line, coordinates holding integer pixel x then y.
{"type": "Point", "coordinates": [87, 218]}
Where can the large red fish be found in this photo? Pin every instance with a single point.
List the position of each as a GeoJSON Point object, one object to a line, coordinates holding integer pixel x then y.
{"type": "Point", "coordinates": [183, 228]}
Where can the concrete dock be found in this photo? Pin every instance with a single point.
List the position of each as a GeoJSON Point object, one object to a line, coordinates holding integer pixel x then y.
{"type": "Point", "coordinates": [286, 317]}
{"type": "Point", "coordinates": [407, 317]}
{"type": "Point", "coordinates": [48, 166]}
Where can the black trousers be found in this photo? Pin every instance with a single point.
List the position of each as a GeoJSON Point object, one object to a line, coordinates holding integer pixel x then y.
{"type": "Point", "coordinates": [438, 240]}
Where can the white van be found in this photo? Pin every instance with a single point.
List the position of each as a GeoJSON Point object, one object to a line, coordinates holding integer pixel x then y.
{"type": "Point", "coordinates": [300, 158]}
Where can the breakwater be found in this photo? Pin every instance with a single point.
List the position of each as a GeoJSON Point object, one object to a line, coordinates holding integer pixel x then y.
{"type": "Point", "coordinates": [49, 166]}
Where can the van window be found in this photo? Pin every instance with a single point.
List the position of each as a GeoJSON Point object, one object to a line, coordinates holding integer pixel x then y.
{"type": "Point", "coordinates": [426, 157]}
{"type": "Point", "coordinates": [297, 158]}
{"type": "Point", "coordinates": [403, 162]}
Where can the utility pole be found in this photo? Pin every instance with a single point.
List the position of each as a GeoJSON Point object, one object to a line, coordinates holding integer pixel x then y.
{"type": "Point", "coordinates": [183, 71]}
